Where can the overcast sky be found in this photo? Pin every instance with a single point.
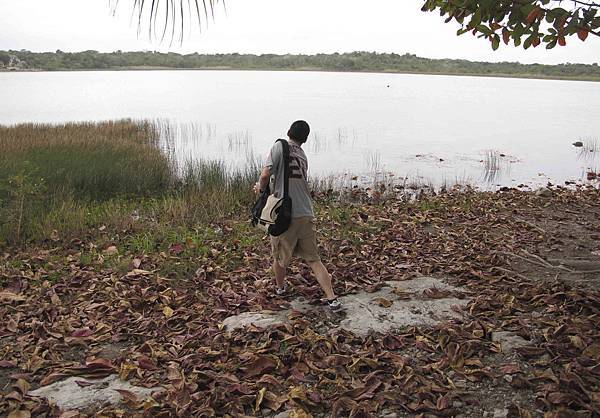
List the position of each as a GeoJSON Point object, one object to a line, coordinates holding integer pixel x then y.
{"type": "Point", "coordinates": [267, 26]}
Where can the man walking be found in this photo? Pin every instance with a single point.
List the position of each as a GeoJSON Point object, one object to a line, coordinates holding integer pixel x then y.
{"type": "Point", "coordinates": [300, 239]}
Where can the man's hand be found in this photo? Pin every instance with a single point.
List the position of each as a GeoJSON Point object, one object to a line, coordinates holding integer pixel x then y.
{"type": "Point", "coordinates": [263, 181]}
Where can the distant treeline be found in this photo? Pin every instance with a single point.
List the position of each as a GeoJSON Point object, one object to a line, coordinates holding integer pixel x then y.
{"type": "Point", "coordinates": [355, 61]}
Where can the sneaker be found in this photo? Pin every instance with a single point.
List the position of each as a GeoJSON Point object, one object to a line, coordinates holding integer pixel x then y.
{"type": "Point", "coordinates": [281, 291]}
{"type": "Point", "coordinates": [335, 304]}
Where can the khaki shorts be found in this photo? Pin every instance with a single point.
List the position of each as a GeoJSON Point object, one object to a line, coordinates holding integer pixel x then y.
{"type": "Point", "coordinates": [299, 240]}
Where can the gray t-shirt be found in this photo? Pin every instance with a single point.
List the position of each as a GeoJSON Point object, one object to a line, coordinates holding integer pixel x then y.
{"type": "Point", "coordinates": [298, 187]}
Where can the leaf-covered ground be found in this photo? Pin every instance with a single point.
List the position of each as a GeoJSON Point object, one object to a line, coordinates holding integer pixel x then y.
{"type": "Point", "coordinates": [94, 306]}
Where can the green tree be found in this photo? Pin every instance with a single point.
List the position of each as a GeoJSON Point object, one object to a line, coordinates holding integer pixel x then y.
{"type": "Point", "coordinates": [525, 22]}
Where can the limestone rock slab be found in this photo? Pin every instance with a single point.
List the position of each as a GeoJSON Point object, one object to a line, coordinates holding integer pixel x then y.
{"type": "Point", "coordinates": [89, 393]}
{"type": "Point", "coordinates": [420, 301]}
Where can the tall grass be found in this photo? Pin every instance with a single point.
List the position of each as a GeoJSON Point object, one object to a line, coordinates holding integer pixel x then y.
{"type": "Point", "coordinates": [492, 166]}
{"type": "Point", "coordinates": [590, 149]}
{"type": "Point", "coordinates": [90, 161]}
{"type": "Point", "coordinates": [66, 179]}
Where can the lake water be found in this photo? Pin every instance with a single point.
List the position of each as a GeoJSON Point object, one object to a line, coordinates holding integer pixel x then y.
{"type": "Point", "coordinates": [486, 131]}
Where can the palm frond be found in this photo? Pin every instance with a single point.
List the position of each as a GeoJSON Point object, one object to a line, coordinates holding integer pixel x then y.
{"type": "Point", "coordinates": [172, 18]}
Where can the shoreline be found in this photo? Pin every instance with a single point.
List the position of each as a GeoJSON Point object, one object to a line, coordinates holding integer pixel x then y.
{"type": "Point", "coordinates": [309, 69]}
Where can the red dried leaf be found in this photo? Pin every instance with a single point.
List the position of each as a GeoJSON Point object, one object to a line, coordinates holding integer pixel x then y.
{"type": "Point", "coordinates": [70, 414]}
{"type": "Point", "coordinates": [510, 369]}
{"type": "Point", "coordinates": [260, 365]}
{"type": "Point", "coordinates": [53, 377]}
{"type": "Point", "coordinates": [83, 383]}
{"type": "Point", "coordinates": [177, 249]}
{"type": "Point", "coordinates": [558, 398]}
{"type": "Point", "coordinates": [82, 332]}
{"type": "Point", "coordinates": [99, 363]}
{"type": "Point", "coordinates": [146, 363]}
{"type": "Point", "coordinates": [5, 364]}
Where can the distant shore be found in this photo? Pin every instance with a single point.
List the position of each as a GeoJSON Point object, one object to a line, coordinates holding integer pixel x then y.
{"type": "Point", "coordinates": [353, 62]}
{"type": "Point", "coordinates": [310, 69]}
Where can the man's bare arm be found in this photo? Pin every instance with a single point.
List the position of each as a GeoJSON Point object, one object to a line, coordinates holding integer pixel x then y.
{"type": "Point", "coordinates": [263, 181]}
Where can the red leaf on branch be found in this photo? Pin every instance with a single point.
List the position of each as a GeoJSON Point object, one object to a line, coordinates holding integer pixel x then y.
{"type": "Point", "coordinates": [505, 35]}
{"type": "Point", "coordinates": [533, 15]}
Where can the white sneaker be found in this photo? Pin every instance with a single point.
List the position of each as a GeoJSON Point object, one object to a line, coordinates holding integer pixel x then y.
{"type": "Point", "coordinates": [335, 304]}
{"type": "Point", "coordinates": [281, 291]}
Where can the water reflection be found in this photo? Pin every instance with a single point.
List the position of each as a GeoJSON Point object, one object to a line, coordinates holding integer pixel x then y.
{"type": "Point", "coordinates": [239, 141]}
{"type": "Point", "coordinates": [492, 166]}
{"type": "Point", "coordinates": [317, 143]}
{"type": "Point", "coordinates": [590, 150]}
{"type": "Point", "coordinates": [346, 158]}
{"type": "Point", "coordinates": [589, 153]}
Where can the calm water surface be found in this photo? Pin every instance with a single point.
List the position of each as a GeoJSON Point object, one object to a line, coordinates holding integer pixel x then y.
{"type": "Point", "coordinates": [488, 131]}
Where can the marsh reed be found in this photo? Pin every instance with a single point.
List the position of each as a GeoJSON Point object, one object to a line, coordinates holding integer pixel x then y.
{"type": "Point", "coordinates": [62, 180]}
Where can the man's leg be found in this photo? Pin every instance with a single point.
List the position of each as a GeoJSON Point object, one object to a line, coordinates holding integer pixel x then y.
{"type": "Point", "coordinates": [279, 274]}
{"type": "Point", "coordinates": [323, 277]}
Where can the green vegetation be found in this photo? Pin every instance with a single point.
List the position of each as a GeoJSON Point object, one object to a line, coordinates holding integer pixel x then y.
{"type": "Point", "coordinates": [355, 61]}
{"type": "Point", "coordinates": [60, 181]}
{"type": "Point", "coordinates": [525, 22]}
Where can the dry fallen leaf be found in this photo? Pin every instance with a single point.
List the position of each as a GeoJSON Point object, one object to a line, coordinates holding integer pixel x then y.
{"type": "Point", "coordinates": [70, 414]}
{"type": "Point", "coordinates": [7, 364]}
{"type": "Point", "coordinates": [304, 363]}
{"type": "Point", "coordinates": [10, 297]}
{"type": "Point", "coordinates": [593, 351]}
{"type": "Point", "coordinates": [259, 398]}
{"type": "Point", "coordinates": [385, 303]}
{"type": "Point", "coordinates": [54, 236]}
{"type": "Point", "coordinates": [577, 341]}
{"type": "Point", "coordinates": [138, 272]}
{"type": "Point", "coordinates": [19, 414]}
{"type": "Point", "coordinates": [110, 251]}
{"type": "Point", "coordinates": [168, 311]}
